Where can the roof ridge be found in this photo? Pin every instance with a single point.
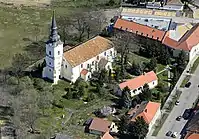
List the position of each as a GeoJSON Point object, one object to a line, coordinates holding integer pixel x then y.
{"type": "Point", "coordinates": [141, 24]}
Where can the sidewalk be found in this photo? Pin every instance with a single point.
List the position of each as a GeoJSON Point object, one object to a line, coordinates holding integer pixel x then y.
{"type": "Point", "coordinates": [173, 92]}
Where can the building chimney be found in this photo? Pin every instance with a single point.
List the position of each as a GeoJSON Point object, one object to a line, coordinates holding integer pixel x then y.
{"type": "Point", "coordinates": [145, 110]}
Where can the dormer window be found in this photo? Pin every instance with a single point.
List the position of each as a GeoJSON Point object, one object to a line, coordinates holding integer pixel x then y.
{"type": "Point", "coordinates": [97, 57]}
{"type": "Point", "coordinates": [58, 52]}
{"type": "Point", "coordinates": [104, 53]}
{"type": "Point", "coordinates": [81, 65]}
{"type": "Point", "coordinates": [49, 52]}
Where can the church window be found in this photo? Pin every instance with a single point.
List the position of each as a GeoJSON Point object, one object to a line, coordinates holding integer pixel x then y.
{"type": "Point", "coordinates": [49, 63]}
{"type": "Point", "coordinates": [58, 52]}
{"type": "Point", "coordinates": [104, 53]}
{"type": "Point", "coordinates": [81, 65]}
{"type": "Point", "coordinates": [49, 52]}
{"type": "Point", "coordinates": [66, 66]}
{"type": "Point", "coordinates": [50, 70]}
{"type": "Point", "coordinates": [88, 65]}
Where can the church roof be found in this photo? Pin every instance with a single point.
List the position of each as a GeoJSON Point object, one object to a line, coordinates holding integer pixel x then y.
{"type": "Point", "coordinates": [87, 50]}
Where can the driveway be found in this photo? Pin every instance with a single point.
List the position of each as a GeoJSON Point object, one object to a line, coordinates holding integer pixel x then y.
{"type": "Point", "coordinates": [187, 98]}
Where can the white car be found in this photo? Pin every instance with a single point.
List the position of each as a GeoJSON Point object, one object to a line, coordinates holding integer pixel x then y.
{"type": "Point", "coordinates": [177, 102]}
{"type": "Point", "coordinates": [174, 135]}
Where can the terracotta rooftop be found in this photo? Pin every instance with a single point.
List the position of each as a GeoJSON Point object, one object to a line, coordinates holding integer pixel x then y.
{"type": "Point", "coordinates": [192, 136]}
{"type": "Point", "coordinates": [99, 124]}
{"type": "Point", "coordinates": [87, 50]}
{"type": "Point", "coordinates": [139, 29]}
{"type": "Point", "coordinates": [190, 38]}
{"type": "Point", "coordinates": [107, 136]}
{"type": "Point", "coordinates": [84, 72]}
{"type": "Point", "coordinates": [186, 42]}
{"type": "Point", "coordinates": [146, 109]}
{"type": "Point", "coordinates": [139, 81]}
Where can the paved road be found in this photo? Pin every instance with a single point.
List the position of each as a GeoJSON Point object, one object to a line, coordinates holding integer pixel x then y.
{"type": "Point", "coordinates": [187, 99]}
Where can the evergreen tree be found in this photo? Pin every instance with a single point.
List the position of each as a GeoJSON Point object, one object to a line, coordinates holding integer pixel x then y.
{"type": "Point", "coordinates": [138, 129]}
{"type": "Point", "coordinates": [176, 76]}
{"type": "Point", "coordinates": [146, 94]}
{"type": "Point", "coordinates": [181, 61]}
{"type": "Point", "coordinates": [127, 102]}
{"type": "Point", "coordinates": [152, 64]}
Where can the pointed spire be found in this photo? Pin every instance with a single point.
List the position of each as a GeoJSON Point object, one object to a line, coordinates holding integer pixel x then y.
{"type": "Point", "coordinates": [54, 34]}
{"type": "Point", "coordinates": [53, 25]}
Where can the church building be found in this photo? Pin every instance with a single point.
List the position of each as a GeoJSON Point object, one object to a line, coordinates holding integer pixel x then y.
{"type": "Point", "coordinates": [78, 62]}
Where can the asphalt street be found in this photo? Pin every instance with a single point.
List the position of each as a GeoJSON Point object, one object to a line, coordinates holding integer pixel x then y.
{"type": "Point", "coordinates": [187, 98]}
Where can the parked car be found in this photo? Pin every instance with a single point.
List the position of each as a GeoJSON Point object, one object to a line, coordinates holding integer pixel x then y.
{"type": "Point", "coordinates": [187, 114]}
{"type": "Point", "coordinates": [169, 133]}
{"type": "Point", "coordinates": [187, 85]}
{"type": "Point", "coordinates": [174, 135]}
{"type": "Point", "coordinates": [177, 102]}
{"type": "Point", "coordinates": [179, 118]}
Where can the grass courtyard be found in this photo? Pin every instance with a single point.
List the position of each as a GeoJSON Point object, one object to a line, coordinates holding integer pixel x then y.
{"type": "Point", "coordinates": [21, 26]}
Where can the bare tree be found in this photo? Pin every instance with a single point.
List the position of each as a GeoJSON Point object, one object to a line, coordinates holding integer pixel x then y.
{"type": "Point", "coordinates": [19, 64]}
{"type": "Point", "coordinates": [124, 42]}
{"type": "Point", "coordinates": [84, 23]}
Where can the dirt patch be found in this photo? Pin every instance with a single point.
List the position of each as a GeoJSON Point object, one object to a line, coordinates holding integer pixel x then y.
{"type": "Point", "coordinates": [27, 2]}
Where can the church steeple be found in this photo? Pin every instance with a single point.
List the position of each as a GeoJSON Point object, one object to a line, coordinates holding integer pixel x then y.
{"type": "Point", "coordinates": [54, 37]}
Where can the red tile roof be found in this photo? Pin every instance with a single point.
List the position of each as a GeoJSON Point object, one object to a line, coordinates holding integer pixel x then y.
{"type": "Point", "coordinates": [192, 136]}
{"type": "Point", "coordinates": [99, 124]}
{"type": "Point", "coordinates": [84, 72]}
{"type": "Point", "coordinates": [147, 110]}
{"type": "Point", "coordinates": [107, 136]}
{"type": "Point", "coordinates": [139, 81]}
{"type": "Point", "coordinates": [186, 42]}
{"type": "Point", "coordinates": [190, 39]}
{"type": "Point", "coordinates": [139, 29]}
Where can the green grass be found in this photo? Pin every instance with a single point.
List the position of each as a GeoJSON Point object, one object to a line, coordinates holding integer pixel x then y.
{"type": "Point", "coordinates": [16, 25]}
{"type": "Point", "coordinates": [136, 58]}
{"type": "Point", "coordinates": [160, 67]}
{"type": "Point", "coordinates": [195, 65]}
{"type": "Point", "coordinates": [186, 79]}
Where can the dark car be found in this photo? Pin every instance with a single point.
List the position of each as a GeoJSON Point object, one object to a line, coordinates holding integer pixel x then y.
{"type": "Point", "coordinates": [179, 118]}
{"type": "Point", "coordinates": [187, 114]}
{"type": "Point", "coordinates": [187, 85]}
{"type": "Point", "coordinates": [168, 133]}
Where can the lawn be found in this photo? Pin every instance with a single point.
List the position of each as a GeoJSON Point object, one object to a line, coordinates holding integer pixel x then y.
{"type": "Point", "coordinates": [136, 58]}
{"type": "Point", "coordinates": [18, 29]}
{"type": "Point", "coordinates": [20, 26]}
{"type": "Point", "coordinates": [186, 79]}
{"type": "Point", "coordinates": [195, 65]}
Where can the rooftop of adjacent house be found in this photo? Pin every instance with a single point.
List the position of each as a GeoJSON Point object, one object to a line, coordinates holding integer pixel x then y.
{"type": "Point", "coordinates": [158, 23]}
{"type": "Point", "coordinates": [177, 2]}
{"type": "Point", "coordinates": [186, 42]}
{"type": "Point", "coordinates": [107, 136]}
{"type": "Point", "coordinates": [139, 29]}
{"type": "Point", "coordinates": [99, 124]}
{"type": "Point", "coordinates": [192, 136]}
{"type": "Point", "coordinates": [139, 81]}
{"type": "Point", "coordinates": [146, 109]}
{"type": "Point", "coordinates": [193, 125]}
{"type": "Point", "coordinates": [179, 31]}
{"type": "Point", "coordinates": [87, 50]}
{"type": "Point", "coordinates": [170, 6]}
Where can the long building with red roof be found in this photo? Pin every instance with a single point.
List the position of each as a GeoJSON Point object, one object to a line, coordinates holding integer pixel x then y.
{"type": "Point", "coordinates": [188, 42]}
